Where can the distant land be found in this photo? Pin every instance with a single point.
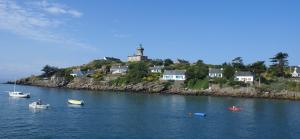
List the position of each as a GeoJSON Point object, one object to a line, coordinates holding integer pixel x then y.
{"type": "Point", "coordinates": [141, 74]}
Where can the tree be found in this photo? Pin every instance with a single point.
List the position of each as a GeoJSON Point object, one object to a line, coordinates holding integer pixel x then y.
{"type": "Point", "coordinates": [229, 71]}
{"type": "Point", "coordinates": [156, 62]}
{"type": "Point", "coordinates": [238, 63]}
{"type": "Point", "coordinates": [49, 71]}
{"type": "Point", "coordinates": [198, 71]}
{"type": "Point", "coordinates": [196, 75]}
{"type": "Point", "coordinates": [136, 72]}
{"type": "Point", "coordinates": [280, 62]}
{"type": "Point", "coordinates": [258, 68]}
{"type": "Point", "coordinates": [168, 62]}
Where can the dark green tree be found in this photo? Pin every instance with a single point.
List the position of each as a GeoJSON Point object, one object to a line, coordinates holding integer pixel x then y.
{"type": "Point", "coordinates": [49, 71]}
{"type": "Point", "coordinates": [156, 62]}
{"type": "Point", "coordinates": [280, 62]}
{"type": "Point", "coordinates": [238, 63]}
{"type": "Point", "coordinates": [258, 68]}
{"type": "Point", "coordinates": [136, 72]}
{"type": "Point", "coordinates": [198, 71]}
{"type": "Point", "coordinates": [229, 71]}
{"type": "Point", "coordinates": [168, 62]}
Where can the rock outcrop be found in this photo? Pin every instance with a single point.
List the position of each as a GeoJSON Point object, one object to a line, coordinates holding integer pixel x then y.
{"type": "Point", "coordinates": [156, 87]}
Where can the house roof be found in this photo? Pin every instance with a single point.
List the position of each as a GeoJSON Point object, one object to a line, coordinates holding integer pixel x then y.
{"type": "Point", "coordinates": [243, 73]}
{"type": "Point", "coordinates": [119, 68]}
{"type": "Point", "coordinates": [212, 70]}
{"type": "Point", "coordinates": [174, 72]}
{"type": "Point", "coordinates": [156, 68]}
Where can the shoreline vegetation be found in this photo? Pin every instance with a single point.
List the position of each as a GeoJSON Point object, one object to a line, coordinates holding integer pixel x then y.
{"type": "Point", "coordinates": [274, 81]}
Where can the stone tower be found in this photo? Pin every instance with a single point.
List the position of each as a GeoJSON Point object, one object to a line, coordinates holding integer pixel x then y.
{"type": "Point", "coordinates": [140, 51]}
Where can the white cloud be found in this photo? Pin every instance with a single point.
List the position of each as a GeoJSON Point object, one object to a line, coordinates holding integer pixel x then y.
{"type": "Point", "coordinates": [32, 21]}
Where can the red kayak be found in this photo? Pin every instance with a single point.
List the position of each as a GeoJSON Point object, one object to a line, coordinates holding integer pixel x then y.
{"type": "Point", "coordinates": [234, 108]}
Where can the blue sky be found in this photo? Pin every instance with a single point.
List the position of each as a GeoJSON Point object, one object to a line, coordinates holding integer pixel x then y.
{"type": "Point", "coordinates": [66, 32]}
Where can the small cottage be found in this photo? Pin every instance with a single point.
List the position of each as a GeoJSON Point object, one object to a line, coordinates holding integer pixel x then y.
{"type": "Point", "coordinates": [244, 76]}
{"type": "Point", "coordinates": [215, 73]}
{"type": "Point", "coordinates": [156, 69]}
{"type": "Point", "coordinates": [118, 69]}
{"type": "Point", "coordinates": [176, 75]}
{"type": "Point", "coordinates": [76, 73]}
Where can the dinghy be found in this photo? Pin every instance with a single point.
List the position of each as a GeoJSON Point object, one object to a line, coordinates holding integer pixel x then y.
{"type": "Point", "coordinates": [75, 102]}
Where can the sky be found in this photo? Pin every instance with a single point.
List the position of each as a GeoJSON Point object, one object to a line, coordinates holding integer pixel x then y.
{"type": "Point", "coordinates": [64, 33]}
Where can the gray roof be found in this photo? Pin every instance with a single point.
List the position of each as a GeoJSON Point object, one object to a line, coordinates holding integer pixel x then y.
{"type": "Point", "coordinates": [156, 68]}
{"type": "Point", "coordinates": [243, 73]}
{"type": "Point", "coordinates": [174, 72]}
{"type": "Point", "coordinates": [119, 68]}
{"type": "Point", "coordinates": [212, 70]}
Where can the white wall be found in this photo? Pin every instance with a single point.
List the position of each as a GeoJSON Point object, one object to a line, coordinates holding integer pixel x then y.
{"type": "Point", "coordinates": [245, 78]}
{"type": "Point", "coordinates": [174, 77]}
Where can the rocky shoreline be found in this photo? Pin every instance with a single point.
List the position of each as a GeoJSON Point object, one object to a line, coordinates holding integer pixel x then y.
{"type": "Point", "coordinates": [158, 87]}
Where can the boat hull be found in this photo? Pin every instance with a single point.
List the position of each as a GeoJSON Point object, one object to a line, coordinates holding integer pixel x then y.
{"type": "Point", "coordinates": [12, 94]}
{"type": "Point", "coordinates": [75, 102]}
{"type": "Point", "coordinates": [35, 106]}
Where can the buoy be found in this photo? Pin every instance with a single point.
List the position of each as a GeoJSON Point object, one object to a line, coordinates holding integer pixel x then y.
{"type": "Point", "coordinates": [200, 114]}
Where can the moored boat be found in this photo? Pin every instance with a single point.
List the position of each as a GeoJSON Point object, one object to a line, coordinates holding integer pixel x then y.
{"type": "Point", "coordinates": [38, 105]}
{"type": "Point", "coordinates": [18, 94]}
{"type": "Point", "coordinates": [75, 102]}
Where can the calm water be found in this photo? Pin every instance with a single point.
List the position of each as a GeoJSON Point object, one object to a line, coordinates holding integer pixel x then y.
{"type": "Point", "coordinates": [125, 115]}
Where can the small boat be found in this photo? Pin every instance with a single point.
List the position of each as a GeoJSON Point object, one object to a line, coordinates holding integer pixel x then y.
{"type": "Point", "coordinates": [75, 102]}
{"type": "Point", "coordinates": [234, 108]}
{"type": "Point", "coordinates": [37, 105]}
{"type": "Point", "coordinates": [18, 94]}
{"type": "Point", "coordinates": [200, 114]}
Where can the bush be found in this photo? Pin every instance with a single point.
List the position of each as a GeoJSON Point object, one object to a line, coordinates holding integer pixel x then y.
{"type": "Point", "coordinates": [119, 81]}
{"type": "Point", "coordinates": [198, 84]}
{"type": "Point", "coordinates": [234, 83]}
{"type": "Point", "coordinates": [152, 77]}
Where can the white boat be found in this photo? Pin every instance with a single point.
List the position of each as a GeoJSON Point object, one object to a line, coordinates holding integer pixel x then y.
{"type": "Point", "coordinates": [35, 105]}
{"type": "Point", "coordinates": [75, 102]}
{"type": "Point", "coordinates": [18, 94]}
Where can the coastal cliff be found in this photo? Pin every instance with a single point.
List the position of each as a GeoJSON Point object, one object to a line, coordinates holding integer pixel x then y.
{"type": "Point", "coordinates": [161, 87]}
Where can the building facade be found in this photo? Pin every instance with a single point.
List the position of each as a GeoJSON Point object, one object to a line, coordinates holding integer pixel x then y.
{"type": "Point", "coordinates": [215, 73]}
{"type": "Point", "coordinates": [244, 76]}
{"type": "Point", "coordinates": [156, 69]}
{"type": "Point", "coordinates": [118, 69]}
{"type": "Point", "coordinates": [176, 75]}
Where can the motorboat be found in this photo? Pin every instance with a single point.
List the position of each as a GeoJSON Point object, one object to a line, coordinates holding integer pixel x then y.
{"type": "Point", "coordinates": [75, 102]}
{"type": "Point", "coordinates": [38, 105]}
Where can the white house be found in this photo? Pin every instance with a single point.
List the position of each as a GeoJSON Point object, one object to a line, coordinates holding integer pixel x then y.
{"type": "Point", "coordinates": [76, 72]}
{"type": "Point", "coordinates": [244, 76]}
{"type": "Point", "coordinates": [177, 75]}
{"type": "Point", "coordinates": [118, 69]}
{"type": "Point", "coordinates": [156, 69]}
{"type": "Point", "coordinates": [296, 72]}
{"type": "Point", "coordinates": [215, 73]}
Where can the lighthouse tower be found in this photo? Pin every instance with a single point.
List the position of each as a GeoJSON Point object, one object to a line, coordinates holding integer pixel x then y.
{"type": "Point", "coordinates": [138, 56]}
{"type": "Point", "coordinates": [140, 50]}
